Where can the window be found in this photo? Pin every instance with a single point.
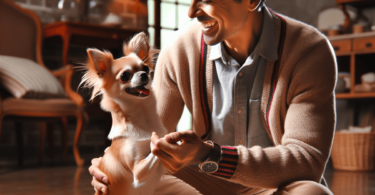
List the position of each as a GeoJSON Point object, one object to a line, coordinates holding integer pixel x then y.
{"type": "Point", "coordinates": [172, 15]}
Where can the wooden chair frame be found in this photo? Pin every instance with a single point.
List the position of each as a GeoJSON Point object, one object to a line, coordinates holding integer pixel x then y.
{"type": "Point", "coordinates": [64, 75]}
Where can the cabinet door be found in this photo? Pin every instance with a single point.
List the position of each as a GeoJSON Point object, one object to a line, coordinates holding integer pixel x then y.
{"type": "Point", "coordinates": [342, 46]}
{"type": "Point", "coordinates": [364, 44]}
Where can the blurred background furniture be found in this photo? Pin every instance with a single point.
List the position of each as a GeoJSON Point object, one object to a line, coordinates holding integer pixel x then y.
{"type": "Point", "coordinates": [353, 151]}
{"type": "Point", "coordinates": [355, 53]}
{"type": "Point", "coordinates": [360, 5]}
{"type": "Point", "coordinates": [331, 19]}
{"type": "Point", "coordinates": [21, 37]}
{"type": "Point", "coordinates": [88, 35]}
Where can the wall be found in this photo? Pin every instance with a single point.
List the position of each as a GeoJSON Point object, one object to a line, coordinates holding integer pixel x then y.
{"type": "Point", "coordinates": [303, 10]}
{"type": "Point", "coordinates": [307, 10]}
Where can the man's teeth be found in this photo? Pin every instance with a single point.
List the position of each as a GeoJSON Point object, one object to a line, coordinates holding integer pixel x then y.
{"type": "Point", "coordinates": [209, 24]}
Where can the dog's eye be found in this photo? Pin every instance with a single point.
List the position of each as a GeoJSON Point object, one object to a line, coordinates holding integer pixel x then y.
{"type": "Point", "coordinates": [146, 69]}
{"type": "Point", "coordinates": [125, 76]}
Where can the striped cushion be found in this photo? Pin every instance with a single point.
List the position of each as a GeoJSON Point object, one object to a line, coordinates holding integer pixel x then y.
{"type": "Point", "coordinates": [24, 78]}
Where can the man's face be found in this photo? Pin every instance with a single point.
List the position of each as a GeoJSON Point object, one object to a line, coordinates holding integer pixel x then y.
{"type": "Point", "coordinates": [220, 19]}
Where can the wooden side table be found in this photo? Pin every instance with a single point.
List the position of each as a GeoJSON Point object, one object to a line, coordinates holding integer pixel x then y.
{"type": "Point", "coordinates": [90, 35]}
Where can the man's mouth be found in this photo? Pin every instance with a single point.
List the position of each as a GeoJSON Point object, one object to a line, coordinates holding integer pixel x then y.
{"type": "Point", "coordinates": [206, 26]}
{"type": "Point", "coordinates": [139, 91]}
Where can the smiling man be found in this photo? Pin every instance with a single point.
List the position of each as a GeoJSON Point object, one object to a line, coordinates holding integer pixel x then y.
{"type": "Point", "coordinates": [260, 87]}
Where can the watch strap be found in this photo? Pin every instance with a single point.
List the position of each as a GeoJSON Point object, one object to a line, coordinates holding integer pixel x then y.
{"type": "Point", "coordinates": [213, 157]}
{"type": "Point", "coordinates": [215, 154]}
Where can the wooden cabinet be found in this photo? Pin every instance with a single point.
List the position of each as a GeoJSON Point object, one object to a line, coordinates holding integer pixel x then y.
{"type": "Point", "coordinates": [355, 55]}
{"type": "Point", "coordinates": [88, 35]}
{"type": "Point", "coordinates": [342, 45]}
{"type": "Point", "coordinates": [364, 44]}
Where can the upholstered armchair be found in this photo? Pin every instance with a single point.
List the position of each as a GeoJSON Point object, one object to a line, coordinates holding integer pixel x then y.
{"type": "Point", "coordinates": [52, 99]}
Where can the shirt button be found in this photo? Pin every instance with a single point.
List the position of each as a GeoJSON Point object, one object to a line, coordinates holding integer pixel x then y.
{"type": "Point", "coordinates": [239, 111]}
{"type": "Point", "coordinates": [240, 74]}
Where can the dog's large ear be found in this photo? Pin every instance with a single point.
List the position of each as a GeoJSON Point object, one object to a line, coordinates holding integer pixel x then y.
{"type": "Point", "coordinates": [138, 45]}
{"type": "Point", "coordinates": [99, 61]}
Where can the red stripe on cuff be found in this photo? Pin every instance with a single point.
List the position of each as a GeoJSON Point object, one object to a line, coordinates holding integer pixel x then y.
{"type": "Point", "coordinates": [229, 152]}
{"type": "Point", "coordinates": [226, 170]}
{"type": "Point", "coordinates": [229, 159]}
{"type": "Point", "coordinates": [228, 162]}
{"type": "Point", "coordinates": [227, 165]}
{"type": "Point", "coordinates": [229, 148]}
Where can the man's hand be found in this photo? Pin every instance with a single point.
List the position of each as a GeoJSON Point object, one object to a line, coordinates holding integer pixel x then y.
{"type": "Point", "coordinates": [174, 156]}
{"type": "Point", "coordinates": [99, 179]}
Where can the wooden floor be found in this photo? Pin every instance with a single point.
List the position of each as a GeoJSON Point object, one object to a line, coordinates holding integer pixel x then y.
{"type": "Point", "coordinates": [46, 181]}
{"type": "Point", "coordinates": [62, 180]}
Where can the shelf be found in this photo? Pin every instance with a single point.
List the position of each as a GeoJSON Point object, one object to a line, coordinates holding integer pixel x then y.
{"type": "Point", "coordinates": [348, 53]}
{"type": "Point", "coordinates": [351, 36]}
{"type": "Point", "coordinates": [354, 95]}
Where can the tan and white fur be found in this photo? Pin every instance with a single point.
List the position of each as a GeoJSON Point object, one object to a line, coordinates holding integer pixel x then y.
{"type": "Point", "coordinates": [125, 86]}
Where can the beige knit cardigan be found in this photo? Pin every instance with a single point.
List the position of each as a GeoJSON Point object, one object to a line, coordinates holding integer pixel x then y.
{"type": "Point", "coordinates": [301, 108]}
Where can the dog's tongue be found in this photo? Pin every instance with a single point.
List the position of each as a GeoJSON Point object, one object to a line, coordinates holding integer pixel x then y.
{"type": "Point", "coordinates": [144, 91]}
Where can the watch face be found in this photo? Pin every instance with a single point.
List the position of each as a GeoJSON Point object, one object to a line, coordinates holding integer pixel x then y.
{"type": "Point", "coordinates": [209, 167]}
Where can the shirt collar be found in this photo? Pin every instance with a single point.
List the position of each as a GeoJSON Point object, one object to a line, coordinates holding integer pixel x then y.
{"type": "Point", "coordinates": [266, 46]}
{"type": "Point", "coordinates": [268, 39]}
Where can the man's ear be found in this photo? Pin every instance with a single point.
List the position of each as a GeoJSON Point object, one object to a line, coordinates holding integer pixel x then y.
{"type": "Point", "coordinates": [138, 45]}
{"type": "Point", "coordinates": [99, 61]}
{"type": "Point", "coordinates": [254, 4]}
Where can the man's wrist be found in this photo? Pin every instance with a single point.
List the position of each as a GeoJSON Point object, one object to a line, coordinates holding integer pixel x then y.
{"type": "Point", "coordinates": [211, 164]}
{"type": "Point", "coordinates": [206, 151]}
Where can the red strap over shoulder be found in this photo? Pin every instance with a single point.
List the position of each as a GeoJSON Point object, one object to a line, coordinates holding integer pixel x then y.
{"type": "Point", "coordinates": [202, 88]}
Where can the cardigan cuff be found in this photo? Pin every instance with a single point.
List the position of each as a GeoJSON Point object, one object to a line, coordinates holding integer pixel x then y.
{"type": "Point", "coordinates": [228, 162]}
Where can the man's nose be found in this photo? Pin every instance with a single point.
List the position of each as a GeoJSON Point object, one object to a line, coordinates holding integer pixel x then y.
{"type": "Point", "coordinates": [194, 9]}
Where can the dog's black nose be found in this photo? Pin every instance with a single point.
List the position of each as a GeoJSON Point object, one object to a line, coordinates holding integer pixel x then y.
{"type": "Point", "coordinates": [144, 78]}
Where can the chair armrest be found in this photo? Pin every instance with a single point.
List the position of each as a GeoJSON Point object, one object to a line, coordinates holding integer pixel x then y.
{"type": "Point", "coordinates": [67, 72]}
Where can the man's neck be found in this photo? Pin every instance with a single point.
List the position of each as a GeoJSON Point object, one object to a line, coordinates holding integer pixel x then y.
{"type": "Point", "coordinates": [243, 43]}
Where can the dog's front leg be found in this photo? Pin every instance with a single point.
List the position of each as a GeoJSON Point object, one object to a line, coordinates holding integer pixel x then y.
{"type": "Point", "coordinates": [149, 168]}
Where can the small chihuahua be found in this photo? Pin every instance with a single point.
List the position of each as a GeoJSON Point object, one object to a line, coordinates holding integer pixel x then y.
{"type": "Point", "coordinates": [125, 86]}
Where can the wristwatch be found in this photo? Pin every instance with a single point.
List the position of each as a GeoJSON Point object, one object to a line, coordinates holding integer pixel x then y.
{"type": "Point", "coordinates": [211, 164]}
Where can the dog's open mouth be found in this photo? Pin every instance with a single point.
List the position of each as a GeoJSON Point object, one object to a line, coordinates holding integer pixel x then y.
{"type": "Point", "coordinates": [140, 91]}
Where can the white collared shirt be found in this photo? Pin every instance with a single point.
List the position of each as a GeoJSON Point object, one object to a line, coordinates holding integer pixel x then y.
{"type": "Point", "coordinates": [237, 90]}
